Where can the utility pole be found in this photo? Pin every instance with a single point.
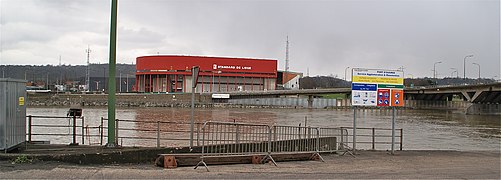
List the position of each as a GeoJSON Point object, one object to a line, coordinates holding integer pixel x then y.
{"type": "Point", "coordinates": [284, 77]}
{"type": "Point", "coordinates": [112, 142]}
{"type": "Point", "coordinates": [87, 75]}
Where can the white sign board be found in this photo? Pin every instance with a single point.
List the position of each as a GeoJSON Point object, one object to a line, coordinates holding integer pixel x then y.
{"type": "Point", "coordinates": [377, 87]}
{"type": "Point", "coordinates": [220, 96]}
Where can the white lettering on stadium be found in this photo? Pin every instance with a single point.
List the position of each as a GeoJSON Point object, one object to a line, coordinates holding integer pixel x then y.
{"type": "Point", "coordinates": [215, 66]}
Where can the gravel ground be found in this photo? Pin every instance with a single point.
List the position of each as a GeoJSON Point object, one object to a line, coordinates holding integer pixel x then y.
{"type": "Point", "coordinates": [366, 165]}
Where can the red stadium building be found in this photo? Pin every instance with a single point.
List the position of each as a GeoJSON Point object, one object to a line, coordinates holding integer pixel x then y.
{"type": "Point", "coordinates": [217, 74]}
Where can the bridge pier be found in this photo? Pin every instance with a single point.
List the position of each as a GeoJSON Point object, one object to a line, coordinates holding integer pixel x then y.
{"type": "Point", "coordinates": [484, 109]}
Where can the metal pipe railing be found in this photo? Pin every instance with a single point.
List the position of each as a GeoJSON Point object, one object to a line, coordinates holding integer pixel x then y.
{"type": "Point", "coordinates": [372, 133]}
{"type": "Point", "coordinates": [286, 138]}
{"type": "Point", "coordinates": [158, 130]}
{"type": "Point", "coordinates": [53, 128]}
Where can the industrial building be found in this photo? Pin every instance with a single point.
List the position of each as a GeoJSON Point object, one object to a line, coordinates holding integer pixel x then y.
{"type": "Point", "coordinates": [172, 74]}
{"type": "Point", "coordinates": [288, 80]}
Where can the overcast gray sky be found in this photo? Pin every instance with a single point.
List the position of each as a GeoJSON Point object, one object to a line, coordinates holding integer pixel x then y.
{"type": "Point", "coordinates": [325, 36]}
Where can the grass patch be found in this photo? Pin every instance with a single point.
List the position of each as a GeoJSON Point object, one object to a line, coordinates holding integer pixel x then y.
{"type": "Point", "coordinates": [22, 159]}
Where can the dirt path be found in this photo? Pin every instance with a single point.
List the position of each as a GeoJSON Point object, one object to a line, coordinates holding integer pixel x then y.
{"type": "Point", "coordinates": [367, 164]}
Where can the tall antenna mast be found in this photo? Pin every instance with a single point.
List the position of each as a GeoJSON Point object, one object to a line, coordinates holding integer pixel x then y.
{"type": "Point", "coordinates": [287, 55]}
{"type": "Point", "coordinates": [59, 60]}
{"type": "Point", "coordinates": [286, 62]}
{"type": "Point", "coordinates": [87, 75]}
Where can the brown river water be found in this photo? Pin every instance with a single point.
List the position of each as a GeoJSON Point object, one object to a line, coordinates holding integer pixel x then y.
{"type": "Point", "coordinates": [422, 129]}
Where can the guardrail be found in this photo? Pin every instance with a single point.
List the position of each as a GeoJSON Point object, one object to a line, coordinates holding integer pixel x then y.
{"type": "Point", "coordinates": [176, 134]}
{"type": "Point", "coordinates": [372, 137]}
{"type": "Point", "coordinates": [55, 126]}
{"type": "Point", "coordinates": [147, 133]}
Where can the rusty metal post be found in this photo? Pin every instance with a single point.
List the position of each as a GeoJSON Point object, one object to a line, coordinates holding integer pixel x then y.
{"type": "Point", "coordinates": [116, 131]}
{"type": "Point", "coordinates": [342, 139]}
{"type": "Point", "coordinates": [83, 131]}
{"type": "Point", "coordinates": [401, 138]}
{"type": "Point", "coordinates": [198, 134]}
{"type": "Point", "coordinates": [101, 128]}
{"type": "Point", "coordinates": [74, 131]}
{"type": "Point", "coordinates": [29, 128]}
{"type": "Point", "coordinates": [158, 134]}
{"type": "Point", "coordinates": [373, 139]}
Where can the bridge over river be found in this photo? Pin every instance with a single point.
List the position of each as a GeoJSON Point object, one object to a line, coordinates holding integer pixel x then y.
{"type": "Point", "coordinates": [476, 93]}
{"type": "Point", "coordinates": [480, 96]}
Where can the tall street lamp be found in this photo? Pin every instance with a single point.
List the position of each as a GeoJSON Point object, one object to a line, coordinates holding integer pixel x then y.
{"type": "Point", "coordinates": [455, 71]}
{"type": "Point", "coordinates": [478, 69]}
{"type": "Point", "coordinates": [434, 71]}
{"type": "Point", "coordinates": [464, 65]}
{"type": "Point", "coordinates": [345, 72]}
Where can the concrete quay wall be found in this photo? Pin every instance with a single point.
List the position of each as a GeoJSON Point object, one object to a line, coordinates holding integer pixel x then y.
{"type": "Point", "coordinates": [122, 100]}
{"type": "Point", "coordinates": [205, 101]}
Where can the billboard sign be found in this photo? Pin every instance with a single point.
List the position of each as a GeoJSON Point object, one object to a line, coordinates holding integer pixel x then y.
{"type": "Point", "coordinates": [377, 87]}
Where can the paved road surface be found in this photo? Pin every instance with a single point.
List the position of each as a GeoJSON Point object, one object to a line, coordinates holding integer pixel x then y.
{"type": "Point", "coordinates": [367, 164]}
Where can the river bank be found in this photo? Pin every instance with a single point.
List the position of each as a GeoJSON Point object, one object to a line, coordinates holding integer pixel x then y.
{"type": "Point", "coordinates": [206, 101]}
{"type": "Point", "coordinates": [367, 165]}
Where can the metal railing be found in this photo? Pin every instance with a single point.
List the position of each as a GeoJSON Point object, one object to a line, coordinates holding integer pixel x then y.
{"type": "Point", "coordinates": [55, 126]}
{"type": "Point", "coordinates": [372, 138]}
{"type": "Point", "coordinates": [224, 138]}
{"type": "Point", "coordinates": [294, 139]}
{"type": "Point", "coordinates": [176, 134]}
{"type": "Point", "coordinates": [230, 139]}
{"type": "Point", "coordinates": [327, 144]}
{"type": "Point", "coordinates": [147, 133]}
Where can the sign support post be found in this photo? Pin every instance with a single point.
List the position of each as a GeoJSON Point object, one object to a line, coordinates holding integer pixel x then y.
{"type": "Point", "coordinates": [194, 80]}
{"type": "Point", "coordinates": [354, 128]}
{"type": "Point", "coordinates": [393, 131]}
